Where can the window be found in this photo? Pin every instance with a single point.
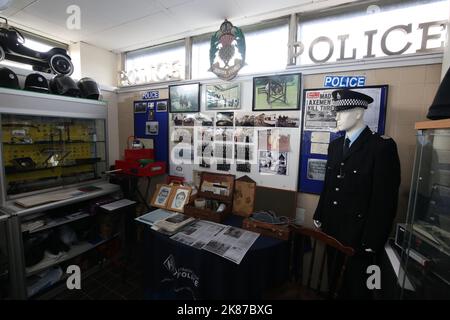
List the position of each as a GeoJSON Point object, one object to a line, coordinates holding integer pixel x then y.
{"type": "Point", "coordinates": [373, 31]}
{"type": "Point", "coordinates": [155, 64]}
{"type": "Point", "coordinates": [266, 50]}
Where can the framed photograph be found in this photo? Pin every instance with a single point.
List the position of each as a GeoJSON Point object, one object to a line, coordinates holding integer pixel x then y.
{"type": "Point", "coordinates": [224, 119]}
{"type": "Point", "coordinates": [278, 92]}
{"type": "Point", "coordinates": [184, 98]}
{"type": "Point", "coordinates": [161, 196]}
{"type": "Point", "coordinates": [226, 96]}
{"type": "Point", "coordinates": [179, 199]}
{"type": "Point", "coordinates": [161, 106]}
{"type": "Point", "coordinates": [152, 128]}
{"type": "Point", "coordinates": [140, 107]}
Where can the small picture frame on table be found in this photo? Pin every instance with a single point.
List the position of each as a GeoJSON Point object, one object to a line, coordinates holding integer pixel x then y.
{"type": "Point", "coordinates": [162, 196]}
{"type": "Point", "coordinates": [179, 198]}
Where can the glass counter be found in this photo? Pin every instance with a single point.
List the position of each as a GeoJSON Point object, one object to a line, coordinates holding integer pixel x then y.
{"type": "Point", "coordinates": [426, 240]}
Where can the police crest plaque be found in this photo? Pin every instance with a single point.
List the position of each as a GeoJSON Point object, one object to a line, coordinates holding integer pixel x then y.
{"type": "Point", "coordinates": [227, 51]}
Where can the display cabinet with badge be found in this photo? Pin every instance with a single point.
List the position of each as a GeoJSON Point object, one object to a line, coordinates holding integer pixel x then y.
{"type": "Point", "coordinates": [424, 241]}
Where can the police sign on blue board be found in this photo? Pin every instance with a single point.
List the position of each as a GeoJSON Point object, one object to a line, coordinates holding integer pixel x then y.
{"type": "Point", "coordinates": [344, 81]}
{"type": "Point", "coordinates": [151, 95]}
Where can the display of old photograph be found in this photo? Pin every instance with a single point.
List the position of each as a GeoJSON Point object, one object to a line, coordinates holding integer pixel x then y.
{"type": "Point", "coordinates": [234, 232]}
{"type": "Point", "coordinates": [223, 166]}
{"type": "Point", "coordinates": [180, 198]}
{"type": "Point", "coordinates": [278, 92]}
{"type": "Point", "coordinates": [266, 120]}
{"type": "Point", "coordinates": [205, 150]}
{"type": "Point", "coordinates": [152, 128]}
{"type": "Point", "coordinates": [177, 119]}
{"type": "Point", "coordinates": [205, 119]}
{"type": "Point", "coordinates": [224, 119]}
{"type": "Point", "coordinates": [184, 98]}
{"type": "Point", "coordinates": [244, 152]}
{"type": "Point", "coordinates": [205, 134]}
{"type": "Point", "coordinates": [244, 119]}
{"type": "Point", "coordinates": [288, 119]}
{"type": "Point", "coordinates": [183, 153]}
{"type": "Point", "coordinates": [224, 135]}
{"type": "Point", "coordinates": [163, 194]}
{"type": "Point", "coordinates": [185, 135]}
{"type": "Point", "coordinates": [161, 106]}
{"type": "Point", "coordinates": [223, 96]}
{"type": "Point", "coordinates": [274, 140]}
{"type": "Point", "coordinates": [244, 135]}
{"type": "Point", "coordinates": [243, 167]}
{"type": "Point", "coordinates": [223, 151]}
{"type": "Point", "coordinates": [140, 107]}
{"type": "Point", "coordinates": [273, 163]}
{"type": "Point", "coordinates": [316, 169]}
{"type": "Point", "coordinates": [205, 163]}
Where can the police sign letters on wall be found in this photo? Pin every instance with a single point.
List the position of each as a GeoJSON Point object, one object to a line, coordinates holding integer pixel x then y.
{"type": "Point", "coordinates": [227, 51]}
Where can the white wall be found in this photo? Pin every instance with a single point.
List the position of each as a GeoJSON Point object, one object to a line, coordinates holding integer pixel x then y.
{"type": "Point", "coordinates": [94, 62]}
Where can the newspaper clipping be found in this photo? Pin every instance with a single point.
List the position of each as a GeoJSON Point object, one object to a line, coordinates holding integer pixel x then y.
{"type": "Point", "coordinates": [228, 242]}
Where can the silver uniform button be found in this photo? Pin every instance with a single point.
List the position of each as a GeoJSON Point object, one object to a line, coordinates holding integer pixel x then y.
{"type": "Point", "coordinates": [335, 202]}
{"type": "Point", "coordinates": [342, 163]}
{"type": "Point", "coordinates": [359, 215]}
{"type": "Point", "coordinates": [355, 171]}
{"type": "Point", "coordinates": [338, 176]}
{"type": "Point", "coordinates": [337, 189]}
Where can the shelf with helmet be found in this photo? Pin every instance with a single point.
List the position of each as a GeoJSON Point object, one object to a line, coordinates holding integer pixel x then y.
{"type": "Point", "coordinates": [63, 85]}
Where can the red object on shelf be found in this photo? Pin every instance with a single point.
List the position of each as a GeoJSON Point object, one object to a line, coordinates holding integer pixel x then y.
{"type": "Point", "coordinates": [132, 164]}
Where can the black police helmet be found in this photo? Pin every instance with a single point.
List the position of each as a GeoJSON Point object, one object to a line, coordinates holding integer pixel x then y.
{"type": "Point", "coordinates": [64, 85]}
{"type": "Point", "coordinates": [89, 89]}
{"type": "Point", "coordinates": [36, 82]}
{"type": "Point", "coordinates": [8, 79]}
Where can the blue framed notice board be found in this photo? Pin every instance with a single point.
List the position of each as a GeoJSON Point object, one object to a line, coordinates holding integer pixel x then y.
{"type": "Point", "coordinates": [319, 129]}
{"type": "Point", "coordinates": [151, 121]}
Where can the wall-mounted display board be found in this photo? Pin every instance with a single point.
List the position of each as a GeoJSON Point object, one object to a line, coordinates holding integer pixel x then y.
{"type": "Point", "coordinates": [264, 145]}
{"type": "Point", "coordinates": [319, 129]}
{"type": "Point", "coordinates": [151, 122]}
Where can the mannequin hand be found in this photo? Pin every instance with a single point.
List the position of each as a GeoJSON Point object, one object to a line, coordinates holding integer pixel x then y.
{"type": "Point", "coordinates": [317, 223]}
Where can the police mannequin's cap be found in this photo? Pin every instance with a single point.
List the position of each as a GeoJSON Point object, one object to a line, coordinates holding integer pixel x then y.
{"type": "Point", "coordinates": [345, 99]}
{"type": "Point", "coordinates": [440, 108]}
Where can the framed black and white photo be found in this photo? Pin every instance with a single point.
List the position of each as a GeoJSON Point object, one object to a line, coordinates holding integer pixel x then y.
{"type": "Point", "coordinates": [161, 106]}
{"type": "Point", "coordinates": [140, 107]}
{"type": "Point", "coordinates": [277, 92]}
{"type": "Point", "coordinates": [184, 98]}
{"type": "Point", "coordinates": [226, 96]}
{"type": "Point", "coordinates": [179, 199]}
{"type": "Point", "coordinates": [161, 196]}
{"type": "Point", "coordinates": [152, 128]}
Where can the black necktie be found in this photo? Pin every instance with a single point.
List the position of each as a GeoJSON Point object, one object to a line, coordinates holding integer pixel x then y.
{"type": "Point", "coordinates": [346, 146]}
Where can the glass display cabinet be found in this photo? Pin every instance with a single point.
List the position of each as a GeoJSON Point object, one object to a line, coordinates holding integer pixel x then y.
{"type": "Point", "coordinates": [425, 238]}
{"type": "Point", "coordinates": [53, 153]}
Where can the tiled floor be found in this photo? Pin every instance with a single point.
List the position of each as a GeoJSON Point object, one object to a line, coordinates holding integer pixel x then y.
{"type": "Point", "coordinates": [109, 284]}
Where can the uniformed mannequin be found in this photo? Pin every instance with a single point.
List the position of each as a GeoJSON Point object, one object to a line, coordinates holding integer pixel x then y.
{"type": "Point", "coordinates": [359, 201]}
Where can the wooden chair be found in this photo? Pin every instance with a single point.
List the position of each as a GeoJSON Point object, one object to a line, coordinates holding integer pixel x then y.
{"type": "Point", "coordinates": [316, 240]}
{"type": "Point", "coordinates": [319, 247]}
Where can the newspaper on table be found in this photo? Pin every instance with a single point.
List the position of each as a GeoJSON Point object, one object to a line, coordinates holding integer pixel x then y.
{"type": "Point", "coordinates": [226, 241]}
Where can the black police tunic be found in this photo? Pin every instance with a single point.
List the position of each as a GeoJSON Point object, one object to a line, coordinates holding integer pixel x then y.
{"type": "Point", "coordinates": [359, 200]}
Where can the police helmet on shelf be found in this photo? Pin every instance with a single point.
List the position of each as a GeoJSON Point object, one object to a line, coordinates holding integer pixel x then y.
{"type": "Point", "coordinates": [8, 79]}
{"type": "Point", "coordinates": [64, 85]}
{"type": "Point", "coordinates": [36, 82]}
{"type": "Point", "coordinates": [89, 88]}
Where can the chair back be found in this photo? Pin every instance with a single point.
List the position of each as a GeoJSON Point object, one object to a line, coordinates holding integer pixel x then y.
{"type": "Point", "coordinates": [326, 249]}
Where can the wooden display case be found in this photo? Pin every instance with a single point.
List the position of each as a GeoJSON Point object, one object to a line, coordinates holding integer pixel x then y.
{"type": "Point", "coordinates": [214, 188]}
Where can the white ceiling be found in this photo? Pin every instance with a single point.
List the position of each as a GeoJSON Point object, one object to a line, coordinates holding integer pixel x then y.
{"type": "Point", "coordinates": [125, 25]}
